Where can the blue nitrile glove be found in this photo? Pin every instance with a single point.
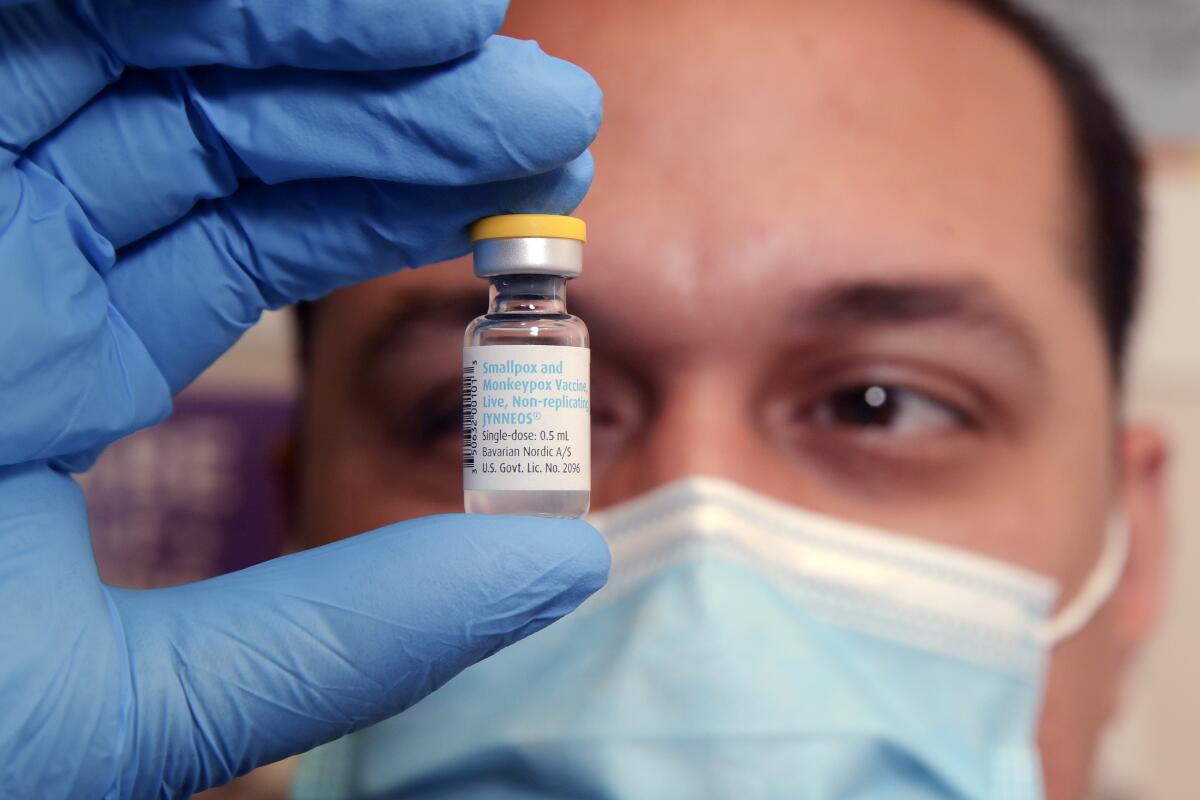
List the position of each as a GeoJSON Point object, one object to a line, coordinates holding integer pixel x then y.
{"type": "Point", "coordinates": [143, 228]}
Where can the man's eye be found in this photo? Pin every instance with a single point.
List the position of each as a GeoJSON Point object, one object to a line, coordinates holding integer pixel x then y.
{"type": "Point", "coordinates": [441, 422]}
{"type": "Point", "coordinates": [887, 409]}
{"type": "Point", "coordinates": [424, 420]}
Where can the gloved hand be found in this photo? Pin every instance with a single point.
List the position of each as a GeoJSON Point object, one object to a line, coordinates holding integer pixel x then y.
{"type": "Point", "coordinates": [145, 223]}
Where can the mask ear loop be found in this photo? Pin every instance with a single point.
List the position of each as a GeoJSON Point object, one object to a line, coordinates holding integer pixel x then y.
{"type": "Point", "coordinates": [1096, 590]}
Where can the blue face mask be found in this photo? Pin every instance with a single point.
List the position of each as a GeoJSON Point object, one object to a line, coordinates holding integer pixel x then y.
{"type": "Point", "coordinates": [745, 648]}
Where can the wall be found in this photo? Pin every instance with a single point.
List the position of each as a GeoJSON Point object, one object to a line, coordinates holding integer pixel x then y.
{"type": "Point", "coordinates": [1152, 752]}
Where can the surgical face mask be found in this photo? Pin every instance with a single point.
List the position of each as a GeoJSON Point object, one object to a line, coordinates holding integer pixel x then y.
{"type": "Point", "coordinates": [746, 648]}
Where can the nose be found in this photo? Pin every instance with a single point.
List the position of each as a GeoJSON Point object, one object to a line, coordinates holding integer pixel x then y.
{"type": "Point", "coordinates": [702, 424]}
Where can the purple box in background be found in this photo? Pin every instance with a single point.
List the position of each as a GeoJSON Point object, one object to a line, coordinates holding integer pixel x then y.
{"type": "Point", "coordinates": [193, 497]}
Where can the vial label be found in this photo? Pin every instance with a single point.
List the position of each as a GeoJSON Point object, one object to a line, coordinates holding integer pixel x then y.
{"type": "Point", "coordinates": [526, 418]}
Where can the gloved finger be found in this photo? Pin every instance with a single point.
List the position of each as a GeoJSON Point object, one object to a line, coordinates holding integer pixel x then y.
{"type": "Point", "coordinates": [55, 55]}
{"type": "Point", "coordinates": [251, 667]}
{"type": "Point", "coordinates": [142, 153]}
{"type": "Point", "coordinates": [190, 292]}
{"type": "Point", "coordinates": [73, 373]}
{"type": "Point", "coordinates": [316, 34]}
{"type": "Point", "coordinates": [61, 659]}
{"type": "Point", "coordinates": [80, 371]}
{"type": "Point", "coordinates": [50, 65]}
{"type": "Point", "coordinates": [117, 693]}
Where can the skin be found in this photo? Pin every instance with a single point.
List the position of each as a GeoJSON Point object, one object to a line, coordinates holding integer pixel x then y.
{"type": "Point", "coordinates": [793, 202]}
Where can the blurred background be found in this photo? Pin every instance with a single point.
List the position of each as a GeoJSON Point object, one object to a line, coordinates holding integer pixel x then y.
{"type": "Point", "coordinates": [200, 494]}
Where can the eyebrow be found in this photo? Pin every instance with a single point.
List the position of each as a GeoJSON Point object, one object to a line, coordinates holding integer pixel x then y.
{"type": "Point", "coordinates": [411, 311]}
{"type": "Point", "coordinates": [882, 303]}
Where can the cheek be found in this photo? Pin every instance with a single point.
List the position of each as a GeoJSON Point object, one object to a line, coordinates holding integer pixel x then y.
{"type": "Point", "coordinates": [371, 485]}
{"type": "Point", "coordinates": [1081, 695]}
{"type": "Point", "coordinates": [1058, 481]}
{"type": "Point", "coordinates": [347, 495]}
{"type": "Point", "coordinates": [350, 483]}
{"type": "Point", "coordinates": [1070, 478]}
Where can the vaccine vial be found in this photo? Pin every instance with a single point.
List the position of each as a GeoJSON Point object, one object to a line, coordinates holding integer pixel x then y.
{"type": "Point", "coordinates": [526, 372]}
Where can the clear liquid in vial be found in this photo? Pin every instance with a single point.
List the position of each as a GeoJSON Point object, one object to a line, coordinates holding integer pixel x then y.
{"type": "Point", "coordinates": [565, 504]}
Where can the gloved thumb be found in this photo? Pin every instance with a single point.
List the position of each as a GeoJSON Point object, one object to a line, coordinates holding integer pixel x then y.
{"type": "Point", "coordinates": [248, 668]}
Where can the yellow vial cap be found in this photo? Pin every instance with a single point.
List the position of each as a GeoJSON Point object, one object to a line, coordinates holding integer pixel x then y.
{"type": "Point", "coordinates": [522, 226]}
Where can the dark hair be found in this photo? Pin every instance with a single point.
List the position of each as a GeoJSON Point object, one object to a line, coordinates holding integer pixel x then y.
{"type": "Point", "coordinates": [1109, 171]}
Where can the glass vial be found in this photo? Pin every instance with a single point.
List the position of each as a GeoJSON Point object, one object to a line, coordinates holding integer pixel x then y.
{"type": "Point", "coordinates": [526, 373]}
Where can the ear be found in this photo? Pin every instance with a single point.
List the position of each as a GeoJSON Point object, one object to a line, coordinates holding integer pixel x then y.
{"type": "Point", "coordinates": [1144, 460]}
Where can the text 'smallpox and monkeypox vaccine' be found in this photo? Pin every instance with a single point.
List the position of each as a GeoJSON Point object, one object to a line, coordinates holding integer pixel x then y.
{"type": "Point", "coordinates": [526, 377]}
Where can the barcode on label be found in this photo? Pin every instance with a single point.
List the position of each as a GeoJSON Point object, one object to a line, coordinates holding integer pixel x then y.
{"type": "Point", "coordinates": [470, 402]}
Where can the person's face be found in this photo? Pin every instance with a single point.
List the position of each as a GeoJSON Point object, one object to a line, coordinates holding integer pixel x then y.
{"type": "Point", "coordinates": [794, 203]}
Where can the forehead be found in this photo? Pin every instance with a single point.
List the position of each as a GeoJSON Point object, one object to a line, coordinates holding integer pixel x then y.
{"type": "Point", "coordinates": [757, 151]}
{"type": "Point", "coordinates": [857, 135]}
